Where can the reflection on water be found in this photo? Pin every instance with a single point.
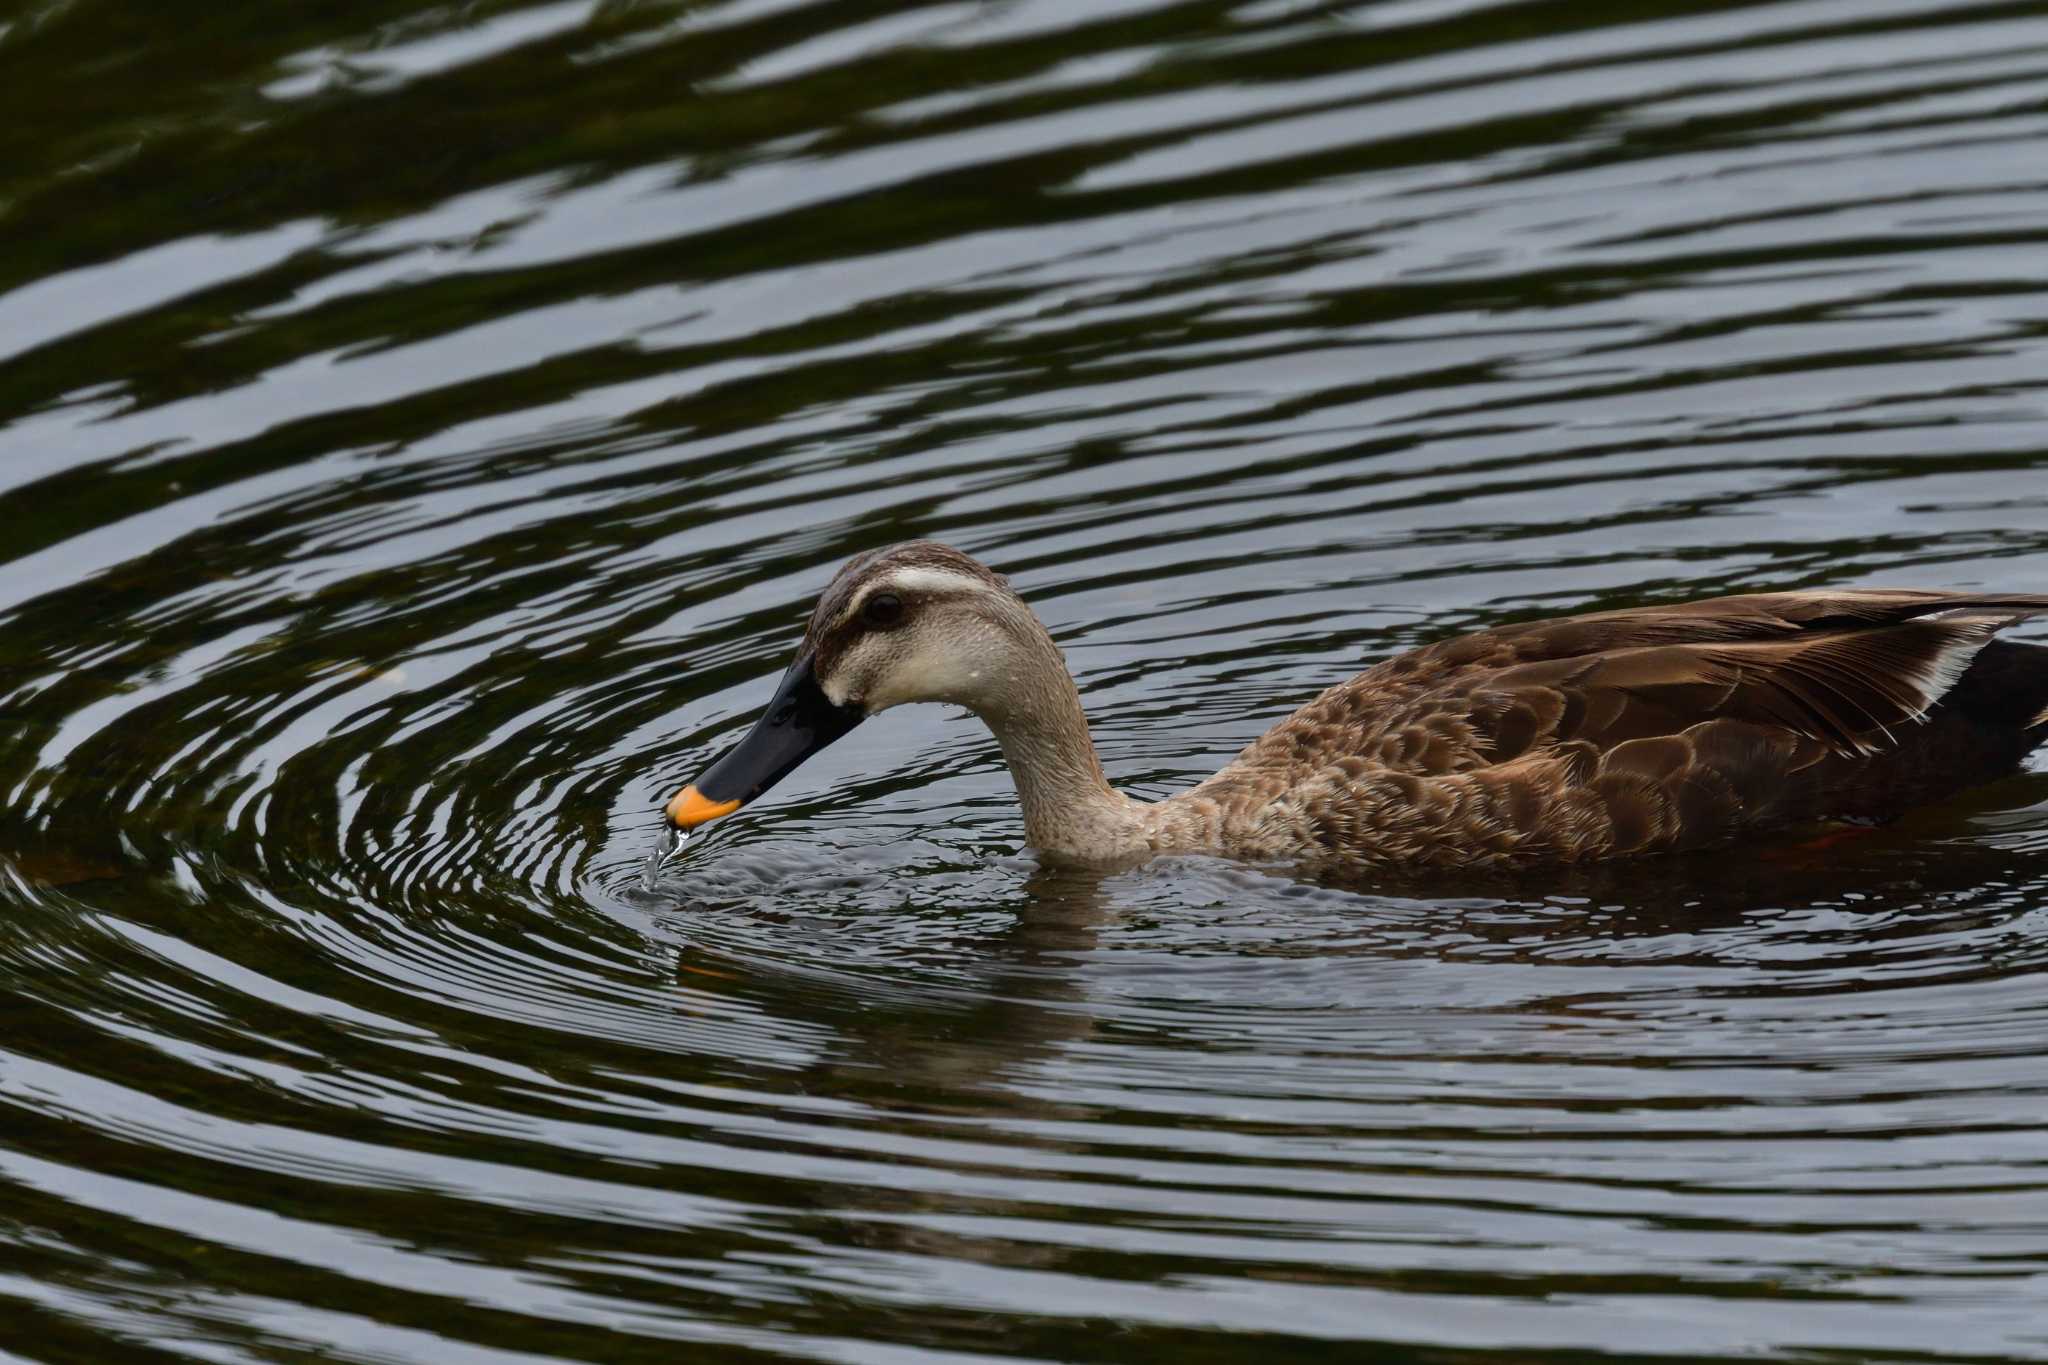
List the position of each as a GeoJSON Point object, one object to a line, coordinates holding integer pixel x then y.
{"type": "Point", "coordinates": [424, 427]}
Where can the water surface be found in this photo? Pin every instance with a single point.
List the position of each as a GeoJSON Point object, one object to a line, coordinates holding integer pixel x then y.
{"type": "Point", "coordinates": [423, 429]}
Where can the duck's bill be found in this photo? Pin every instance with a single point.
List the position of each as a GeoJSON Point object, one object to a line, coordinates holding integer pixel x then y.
{"type": "Point", "coordinates": [799, 721]}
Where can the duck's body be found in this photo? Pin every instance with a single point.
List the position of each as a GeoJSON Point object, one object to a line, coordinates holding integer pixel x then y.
{"type": "Point", "coordinates": [1627, 732]}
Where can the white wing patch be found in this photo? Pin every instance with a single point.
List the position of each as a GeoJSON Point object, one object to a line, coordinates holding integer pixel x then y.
{"type": "Point", "coordinates": [1952, 660]}
{"type": "Point", "coordinates": [1932, 680]}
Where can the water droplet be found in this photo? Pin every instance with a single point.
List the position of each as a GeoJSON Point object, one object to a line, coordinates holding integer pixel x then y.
{"type": "Point", "coordinates": [671, 851]}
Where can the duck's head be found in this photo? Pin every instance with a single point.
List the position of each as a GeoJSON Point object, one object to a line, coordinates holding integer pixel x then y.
{"type": "Point", "coordinates": [918, 621]}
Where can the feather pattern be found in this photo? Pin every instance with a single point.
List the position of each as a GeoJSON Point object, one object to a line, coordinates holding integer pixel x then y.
{"type": "Point", "coordinates": [1634, 731]}
{"type": "Point", "coordinates": [1602, 735]}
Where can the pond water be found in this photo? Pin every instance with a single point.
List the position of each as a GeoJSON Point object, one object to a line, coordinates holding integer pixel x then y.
{"type": "Point", "coordinates": [423, 429]}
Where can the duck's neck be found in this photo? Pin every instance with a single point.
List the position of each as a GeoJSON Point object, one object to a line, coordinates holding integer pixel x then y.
{"type": "Point", "coordinates": [1070, 810]}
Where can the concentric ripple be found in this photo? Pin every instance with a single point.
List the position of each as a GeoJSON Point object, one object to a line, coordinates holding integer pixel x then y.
{"type": "Point", "coordinates": [423, 429]}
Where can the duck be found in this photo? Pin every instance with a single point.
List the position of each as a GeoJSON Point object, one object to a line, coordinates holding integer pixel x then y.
{"type": "Point", "coordinates": [1646, 730]}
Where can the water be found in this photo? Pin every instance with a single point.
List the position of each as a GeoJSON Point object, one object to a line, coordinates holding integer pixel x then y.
{"type": "Point", "coordinates": [424, 427]}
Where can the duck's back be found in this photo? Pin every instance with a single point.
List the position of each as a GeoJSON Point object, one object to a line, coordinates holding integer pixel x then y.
{"type": "Point", "coordinates": [1643, 730]}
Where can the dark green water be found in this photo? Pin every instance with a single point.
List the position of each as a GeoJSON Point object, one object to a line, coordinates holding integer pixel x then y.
{"type": "Point", "coordinates": [423, 429]}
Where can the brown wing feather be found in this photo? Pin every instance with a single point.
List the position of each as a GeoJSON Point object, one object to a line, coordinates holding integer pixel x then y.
{"type": "Point", "coordinates": [1848, 688]}
{"type": "Point", "coordinates": [1628, 731]}
{"type": "Point", "coordinates": [1844, 666]}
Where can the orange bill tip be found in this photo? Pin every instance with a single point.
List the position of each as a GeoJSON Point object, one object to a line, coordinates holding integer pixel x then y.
{"type": "Point", "coordinates": [690, 808]}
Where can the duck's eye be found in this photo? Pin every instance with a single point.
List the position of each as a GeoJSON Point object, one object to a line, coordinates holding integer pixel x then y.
{"type": "Point", "coordinates": [883, 609]}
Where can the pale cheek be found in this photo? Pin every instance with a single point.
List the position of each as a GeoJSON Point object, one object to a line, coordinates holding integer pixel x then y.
{"type": "Point", "coordinates": [928, 676]}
